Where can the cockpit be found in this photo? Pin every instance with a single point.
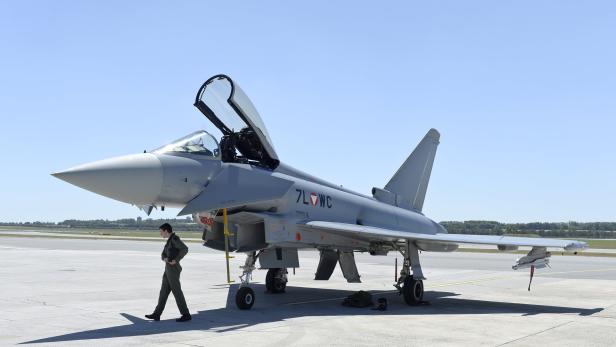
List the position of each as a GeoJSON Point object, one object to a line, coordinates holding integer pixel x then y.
{"type": "Point", "coordinates": [245, 138]}
{"type": "Point", "coordinates": [199, 143]}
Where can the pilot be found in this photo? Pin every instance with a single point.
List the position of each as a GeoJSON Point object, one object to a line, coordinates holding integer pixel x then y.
{"type": "Point", "coordinates": [173, 252]}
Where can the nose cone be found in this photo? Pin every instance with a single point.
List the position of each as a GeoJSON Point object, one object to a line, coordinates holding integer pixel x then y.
{"type": "Point", "coordinates": [135, 179]}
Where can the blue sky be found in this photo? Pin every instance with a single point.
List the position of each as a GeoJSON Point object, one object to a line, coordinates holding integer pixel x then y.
{"type": "Point", "coordinates": [523, 93]}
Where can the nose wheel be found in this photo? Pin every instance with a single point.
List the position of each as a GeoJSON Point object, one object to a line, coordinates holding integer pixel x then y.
{"type": "Point", "coordinates": [245, 298]}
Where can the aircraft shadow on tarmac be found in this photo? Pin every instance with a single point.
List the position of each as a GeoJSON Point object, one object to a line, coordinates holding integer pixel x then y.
{"type": "Point", "coordinates": [306, 302]}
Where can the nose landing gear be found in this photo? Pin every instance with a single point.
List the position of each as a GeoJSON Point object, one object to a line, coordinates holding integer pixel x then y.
{"type": "Point", "coordinates": [275, 282]}
{"type": "Point", "coordinates": [245, 296]}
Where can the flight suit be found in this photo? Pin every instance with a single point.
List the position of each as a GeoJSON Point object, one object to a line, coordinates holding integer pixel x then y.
{"type": "Point", "coordinates": [174, 249]}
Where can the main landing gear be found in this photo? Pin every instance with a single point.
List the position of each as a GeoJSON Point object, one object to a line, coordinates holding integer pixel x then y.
{"type": "Point", "coordinates": [276, 280]}
{"type": "Point", "coordinates": [410, 282]}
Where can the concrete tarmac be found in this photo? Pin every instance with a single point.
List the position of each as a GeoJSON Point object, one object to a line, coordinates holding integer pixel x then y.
{"type": "Point", "coordinates": [95, 292]}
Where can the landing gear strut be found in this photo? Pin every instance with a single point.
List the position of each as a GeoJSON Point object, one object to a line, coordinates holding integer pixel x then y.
{"type": "Point", "coordinates": [245, 296]}
{"type": "Point", "coordinates": [276, 280]}
{"type": "Point", "coordinates": [410, 284]}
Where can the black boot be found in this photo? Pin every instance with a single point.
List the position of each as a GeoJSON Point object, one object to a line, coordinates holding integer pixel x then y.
{"type": "Point", "coordinates": [184, 318]}
{"type": "Point", "coordinates": [153, 316]}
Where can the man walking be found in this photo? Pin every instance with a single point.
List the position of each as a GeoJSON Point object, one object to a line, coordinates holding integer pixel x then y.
{"type": "Point", "coordinates": [173, 252]}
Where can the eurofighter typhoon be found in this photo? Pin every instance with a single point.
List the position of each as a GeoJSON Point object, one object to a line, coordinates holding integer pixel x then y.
{"type": "Point", "coordinates": [251, 202]}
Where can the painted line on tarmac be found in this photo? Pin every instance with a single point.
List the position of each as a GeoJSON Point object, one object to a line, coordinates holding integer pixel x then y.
{"type": "Point", "coordinates": [536, 333]}
{"type": "Point", "coordinates": [545, 275]}
{"type": "Point", "coordinates": [577, 271]}
{"type": "Point", "coordinates": [475, 281]}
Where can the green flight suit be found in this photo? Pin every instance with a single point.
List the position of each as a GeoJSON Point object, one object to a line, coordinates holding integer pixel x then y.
{"type": "Point", "coordinates": [174, 249]}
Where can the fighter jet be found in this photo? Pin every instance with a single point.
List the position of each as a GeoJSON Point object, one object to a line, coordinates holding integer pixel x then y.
{"type": "Point", "coordinates": [251, 202]}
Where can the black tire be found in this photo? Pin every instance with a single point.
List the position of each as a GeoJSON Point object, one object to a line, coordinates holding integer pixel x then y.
{"type": "Point", "coordinates": [268, 280]}
{"type": "Point", "coordinates": [273, 283]}
{"type": "Point", "coordinates": [245, 298]}
{"type": "Point", "coordinates": [413, 291]}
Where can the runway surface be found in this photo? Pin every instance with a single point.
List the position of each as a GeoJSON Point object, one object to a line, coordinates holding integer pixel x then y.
{"type": "Point", "coordinates": [85, 292]}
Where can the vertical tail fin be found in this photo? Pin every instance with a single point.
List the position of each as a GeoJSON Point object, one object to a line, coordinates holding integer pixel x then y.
{"type": "Point", "coordinates": [407, 188]}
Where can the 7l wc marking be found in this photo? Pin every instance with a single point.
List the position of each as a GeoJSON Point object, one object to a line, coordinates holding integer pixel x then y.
{"type": "Point", "coordinates": [314, 199]}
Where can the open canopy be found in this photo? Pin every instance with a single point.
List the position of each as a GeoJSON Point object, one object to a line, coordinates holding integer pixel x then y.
{"type": "Point", "coordinates": [224, 103]}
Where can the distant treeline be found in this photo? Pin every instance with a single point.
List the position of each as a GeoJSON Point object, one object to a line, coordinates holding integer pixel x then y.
{"type": "Point", "coordinates": [186, 224]}
{"type": "Point", "coordinates": [599, 230]}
